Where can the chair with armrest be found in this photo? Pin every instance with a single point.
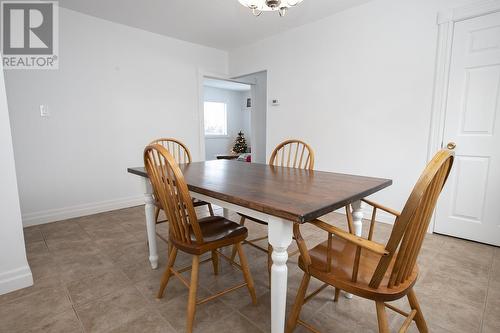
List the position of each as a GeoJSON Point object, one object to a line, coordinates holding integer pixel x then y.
{"type": "Point", "coordinates": [382, 273]}
{"type": "Point", "coordinates": [189, 234]}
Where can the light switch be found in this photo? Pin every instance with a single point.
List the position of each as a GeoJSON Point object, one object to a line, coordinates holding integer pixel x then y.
{"type": "Point", "coordinates": [44, 111]}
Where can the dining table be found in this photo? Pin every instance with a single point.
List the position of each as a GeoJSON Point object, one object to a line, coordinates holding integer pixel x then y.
{"type": "Point", "coordinates": [280, 196]}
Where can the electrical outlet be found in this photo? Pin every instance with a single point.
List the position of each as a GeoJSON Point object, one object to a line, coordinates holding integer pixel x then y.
{"type": "Point", "coordinates": [44, 111]}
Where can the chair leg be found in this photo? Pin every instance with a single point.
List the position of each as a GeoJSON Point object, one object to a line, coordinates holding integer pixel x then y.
{"type": "Point", "coordinates": [383, 325]}
{"type": "Point", "coordinates": [210, 209]}
{"type": "Point", "coordinates": [193, 286]}
{"type": "Point", "coordinates": [167, 273]}
{"type": "Point", "coordinates": [233, 253]}
{"type": "Point", "coordinates": [419, 317]}
{"type": "Point", "coordinates": [269, 261]}
{"type": "Point", "coordinates": [215, 262]}
{"type": "Point", "coordinates": [157, 214]}
{"type": "Point", "coordinates": [297, 306]}
{"type": "Point", "coordinates": [246, 273]}
{"type": "Point", "coordinates": [337, 294]}
{"type": "Point", "coordinates": [170, 247]}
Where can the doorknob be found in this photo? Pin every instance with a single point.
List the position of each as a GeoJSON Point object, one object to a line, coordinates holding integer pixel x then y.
{"type": "Point", "coordinates": [451, 145]}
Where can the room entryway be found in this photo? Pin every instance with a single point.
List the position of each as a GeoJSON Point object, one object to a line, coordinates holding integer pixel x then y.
{"type": "Point", "coordinates": [234, 117]}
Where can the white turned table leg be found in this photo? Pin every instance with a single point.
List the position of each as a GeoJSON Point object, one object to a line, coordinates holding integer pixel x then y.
{"type": "Point", "coordinates": [357, 220]}
{"type": "Point", "coordinates": [357, 217]}
{"type": "Point", "coordinates": [280, 237]}
{"type": "Point", "coordinates": [150, 223]}
{"type": "Point", "coordinates": [225, 212]}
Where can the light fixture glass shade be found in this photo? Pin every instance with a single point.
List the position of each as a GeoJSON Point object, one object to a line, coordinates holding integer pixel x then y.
{"type": "Point", "coordinates": [261, 5]}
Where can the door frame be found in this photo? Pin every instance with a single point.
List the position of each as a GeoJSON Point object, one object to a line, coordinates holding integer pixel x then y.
{"type": "Point", "coordinates": [446, 25]}
{"type": "Point", "coordinates": [202, 74]}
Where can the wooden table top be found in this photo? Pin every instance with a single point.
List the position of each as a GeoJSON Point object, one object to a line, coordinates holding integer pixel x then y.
{"type": "Point", "coordinates": [293, 194]}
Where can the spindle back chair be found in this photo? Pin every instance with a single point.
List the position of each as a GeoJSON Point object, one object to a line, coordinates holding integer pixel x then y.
{"type": "Point", "coordinates": [176, 148]}
{"type": "Point", "coordinates": [189, 234]}
{"type": "Point", "coordinates": [181, 155]}
{"type": "Point", "coordinates": [360, 266]}
{"type": "Point", "coordinates": [293, 154]}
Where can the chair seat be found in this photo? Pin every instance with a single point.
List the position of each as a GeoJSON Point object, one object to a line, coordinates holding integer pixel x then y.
{"type": "Point", "coordinates": [217, 232]}
{"type": "Point", "coordinates": [216, 228]}
{"type": "Point", "coordinates": [343, 256]}
{"type": "Point", "coordinates": [198, 203]}
{"type": "Point", "coordinates": [253, 219]}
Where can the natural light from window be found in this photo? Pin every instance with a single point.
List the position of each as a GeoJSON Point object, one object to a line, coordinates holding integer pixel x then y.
{"type": "Point", "coordinates": [215, 118]}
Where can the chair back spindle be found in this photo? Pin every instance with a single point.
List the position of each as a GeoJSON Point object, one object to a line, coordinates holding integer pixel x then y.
{"type": "Point", "coordinates": [172, 192]}
{"type": "Point", "coordinates": [293, 154]}
{"type": "Point", "coordinates": [177, 149]}
{"type": "Point", "coordinates": [411, 226]}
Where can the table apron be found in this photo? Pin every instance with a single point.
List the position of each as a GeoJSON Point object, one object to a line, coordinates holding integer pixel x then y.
{"type": "Point", "coordinates": [233, 207]}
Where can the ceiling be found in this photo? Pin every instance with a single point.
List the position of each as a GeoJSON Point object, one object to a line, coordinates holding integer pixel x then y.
{"type": "Point", "coordinates": [222, 24]}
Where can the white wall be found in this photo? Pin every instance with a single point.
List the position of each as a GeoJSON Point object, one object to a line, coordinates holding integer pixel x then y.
{"type": "Point", "coordinates": [238, 118]}
{"type": "Point", "coordinates": [357, 86]}
{"type": "Point", "coordinates": [14, 270]}
{"type": "Point", "coordinates": [116, 89]}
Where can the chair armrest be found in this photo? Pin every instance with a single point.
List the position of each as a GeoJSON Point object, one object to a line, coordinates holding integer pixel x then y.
{"type": "Point", "coordinates": [379, 206]}
{"type": "Point", "coordinates": [361, 242]}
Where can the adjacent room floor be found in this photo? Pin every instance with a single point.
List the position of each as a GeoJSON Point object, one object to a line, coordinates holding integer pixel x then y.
{"type": "Point", "coordinates": [92, 274]}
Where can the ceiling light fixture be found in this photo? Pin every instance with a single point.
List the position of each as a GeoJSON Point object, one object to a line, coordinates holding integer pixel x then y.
{"type": "Point", "coordinates": [259, 6]}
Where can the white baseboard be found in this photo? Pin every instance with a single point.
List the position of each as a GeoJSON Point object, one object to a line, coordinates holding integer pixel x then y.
{"type": "Point", "coordinates": [15, 279]}
{"type": "Point", "coordinates": [59, 214]}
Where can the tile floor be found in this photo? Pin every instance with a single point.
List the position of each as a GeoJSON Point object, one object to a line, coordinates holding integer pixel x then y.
{"type": "Point", "coordinates": [92, 275]}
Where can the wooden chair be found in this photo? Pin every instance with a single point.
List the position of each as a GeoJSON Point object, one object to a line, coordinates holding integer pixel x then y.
{"type": "Point", "coordinates": [189, 234]}
{"type": "Point", "coordinates": [290, 154]}
{"type": "Point", "coordinates": [374, 271]}
{"type": "Point", "coordinates": [181, 155]}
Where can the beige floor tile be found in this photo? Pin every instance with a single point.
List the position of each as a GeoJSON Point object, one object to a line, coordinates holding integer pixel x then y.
{"type": "Point", "coordinates": [22, 313]}
{"type": "Point", "coordinates": [462, 269]}
{"type": "Point", "coordinates": [174, 311]}
{"type": "Point", "coordinates": [112, 311]}
{"type": "Point", "coordinates": [32, 234]}
{"type": "Point", "coordinates": [40, 285]}
{"type": "Point", "coordinates": [83, 266]}
{"type": "Point", "coordinates": [260, 314]}
{"type": "Point", "coordinates": [66, 322]}
{"type": "Point", "coordinates": [150, 322]}
{"type": "Point", "coordinates": [96, 286]}
{"type": "Point", "coordinates": [233, 323]}
{"type": "Point", "coordinates": [100, 263]}
{"type": "Point", "coordinates": [467, 250]}
{"type": "Point", "coordinates": [495, 272]}
{"type": "Point", "coordinates": [43, 266]}
{"type": "Point", "coordinates": [439, 282]}
{"type": "Point", "coordinates": [38, 248]}
{"type": "Point", "coordinates": [491, 321]}
{"type": "Point", "coordinates": [149, 289]}
{"type": "Point", "coordinates": [66, 230]}
{"type": "Point", "coordinates": [451, 314]}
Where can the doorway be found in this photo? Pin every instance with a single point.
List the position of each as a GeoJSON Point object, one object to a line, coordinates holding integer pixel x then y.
{"type": "Point", "coordinates": [226, 116]}
{"type": "Point", "coordinates": [234, 117]}
{"type": "Point", "coordinates": [471, 126]}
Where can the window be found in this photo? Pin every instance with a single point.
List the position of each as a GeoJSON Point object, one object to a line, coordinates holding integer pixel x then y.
{"type": "Point", "coordinates": [215, 118]}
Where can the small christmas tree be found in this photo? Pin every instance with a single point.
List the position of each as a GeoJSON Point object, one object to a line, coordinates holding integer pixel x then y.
{"type": "Point", "coordinates": [240, 144]}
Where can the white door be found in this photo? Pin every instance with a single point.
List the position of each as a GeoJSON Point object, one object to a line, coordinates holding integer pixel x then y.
{"type": "Point", "coordinates": [470, 204]}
